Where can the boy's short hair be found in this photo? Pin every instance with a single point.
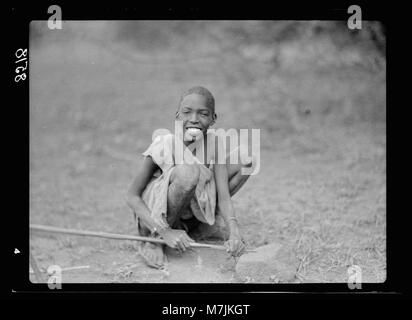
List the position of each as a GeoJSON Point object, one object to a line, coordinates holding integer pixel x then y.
{"type": "Point", "coordinates": [210, 100]}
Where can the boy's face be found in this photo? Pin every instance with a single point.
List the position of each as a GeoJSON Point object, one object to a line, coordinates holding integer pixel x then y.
{"type": "Point", "coordinates": [195, 113]}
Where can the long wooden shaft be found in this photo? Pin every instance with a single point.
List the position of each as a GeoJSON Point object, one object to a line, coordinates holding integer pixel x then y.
{"type": "Point", "coordinates": [116, 236]}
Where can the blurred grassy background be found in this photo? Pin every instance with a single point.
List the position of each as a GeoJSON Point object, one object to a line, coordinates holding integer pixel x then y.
{"type": "Point", "coordinates": [315, 89]}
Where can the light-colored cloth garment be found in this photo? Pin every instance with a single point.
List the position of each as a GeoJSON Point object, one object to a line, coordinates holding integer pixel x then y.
{"type": "Point", "coordinates": [202, 205]}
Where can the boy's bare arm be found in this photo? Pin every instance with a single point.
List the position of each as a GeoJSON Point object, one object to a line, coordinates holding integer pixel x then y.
{"type": "Point", "coordinates": [222, 185]}
{"type": "Point", "coordinates": [234, 245]}
{"type": "Point", "coordinates": [174, 238]}
{"type": "Point", "coordinates": [224, 200]}
{"type": "Point", "coordinates": [134, 194]}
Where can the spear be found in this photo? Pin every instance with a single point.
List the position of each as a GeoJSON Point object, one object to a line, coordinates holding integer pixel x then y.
{"type": "Point", "coordinates": [116, 236]}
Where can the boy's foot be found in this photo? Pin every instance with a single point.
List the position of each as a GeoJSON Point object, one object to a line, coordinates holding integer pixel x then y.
{"type": "Point", "coordinates": [217, 231]}
{"type": "Point", "coordinates": [153, 255]}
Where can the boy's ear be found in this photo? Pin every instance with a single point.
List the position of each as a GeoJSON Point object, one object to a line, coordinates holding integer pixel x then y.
{"type": "Point", "coordinates": [214, 118]}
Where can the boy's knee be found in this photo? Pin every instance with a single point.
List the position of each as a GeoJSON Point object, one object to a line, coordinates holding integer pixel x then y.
{"type": "Point", "coordinates": [246, 161]}
{"type": "Point", "coordinates": [186, 175]}
{"type": "Point", "coordinates": [249, 165]}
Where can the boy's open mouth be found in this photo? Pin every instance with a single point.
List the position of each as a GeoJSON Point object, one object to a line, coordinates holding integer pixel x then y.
{"type": "Point", "coordinates": [193, 128]}
{"type": "Point", "coordinates": [192, 133]}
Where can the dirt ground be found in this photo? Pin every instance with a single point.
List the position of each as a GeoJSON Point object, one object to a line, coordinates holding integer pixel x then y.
{"type": "Point", "coordinates": [321, 185]}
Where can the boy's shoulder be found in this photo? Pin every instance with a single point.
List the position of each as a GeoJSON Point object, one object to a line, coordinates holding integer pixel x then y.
{"type": "Point", "coordinates": [163, 138]}
{"type": "Point", "coordinates": [160, 142]}
{"type": "Point", "coordinates": [160, 150]}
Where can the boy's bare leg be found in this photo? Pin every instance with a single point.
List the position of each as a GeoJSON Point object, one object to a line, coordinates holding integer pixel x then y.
{"type": "Point", "coordinates": [183, 182]}
{"type": "Point", "coordinates": [152, 253]}
{"type": "Point", "coordinates": [236, 181]}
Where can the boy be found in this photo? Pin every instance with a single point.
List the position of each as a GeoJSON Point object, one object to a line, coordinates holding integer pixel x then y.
{"type": "Point", "coordinates": [171, 199]}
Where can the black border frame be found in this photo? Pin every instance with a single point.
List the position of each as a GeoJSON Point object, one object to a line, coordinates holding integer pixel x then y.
{"type": "Point", "coordinates": [20, 286]}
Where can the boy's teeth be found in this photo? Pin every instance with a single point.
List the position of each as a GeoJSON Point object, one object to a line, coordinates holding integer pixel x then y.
{"type": "Point", "coordinates": [193, 131]}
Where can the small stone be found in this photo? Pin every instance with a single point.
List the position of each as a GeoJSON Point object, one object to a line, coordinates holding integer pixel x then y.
{"type": "Point", "coordinates": [272, 261]}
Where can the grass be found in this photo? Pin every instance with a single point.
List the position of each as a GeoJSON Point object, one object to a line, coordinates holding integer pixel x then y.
{"type": "Point", "coordinates": [322, 184]}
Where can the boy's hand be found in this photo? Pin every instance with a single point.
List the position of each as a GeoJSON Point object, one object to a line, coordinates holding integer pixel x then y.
{"type": "Point", "coordinates": [177, 239]}
{"type": "Point", "coordinates": [235, 245]}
